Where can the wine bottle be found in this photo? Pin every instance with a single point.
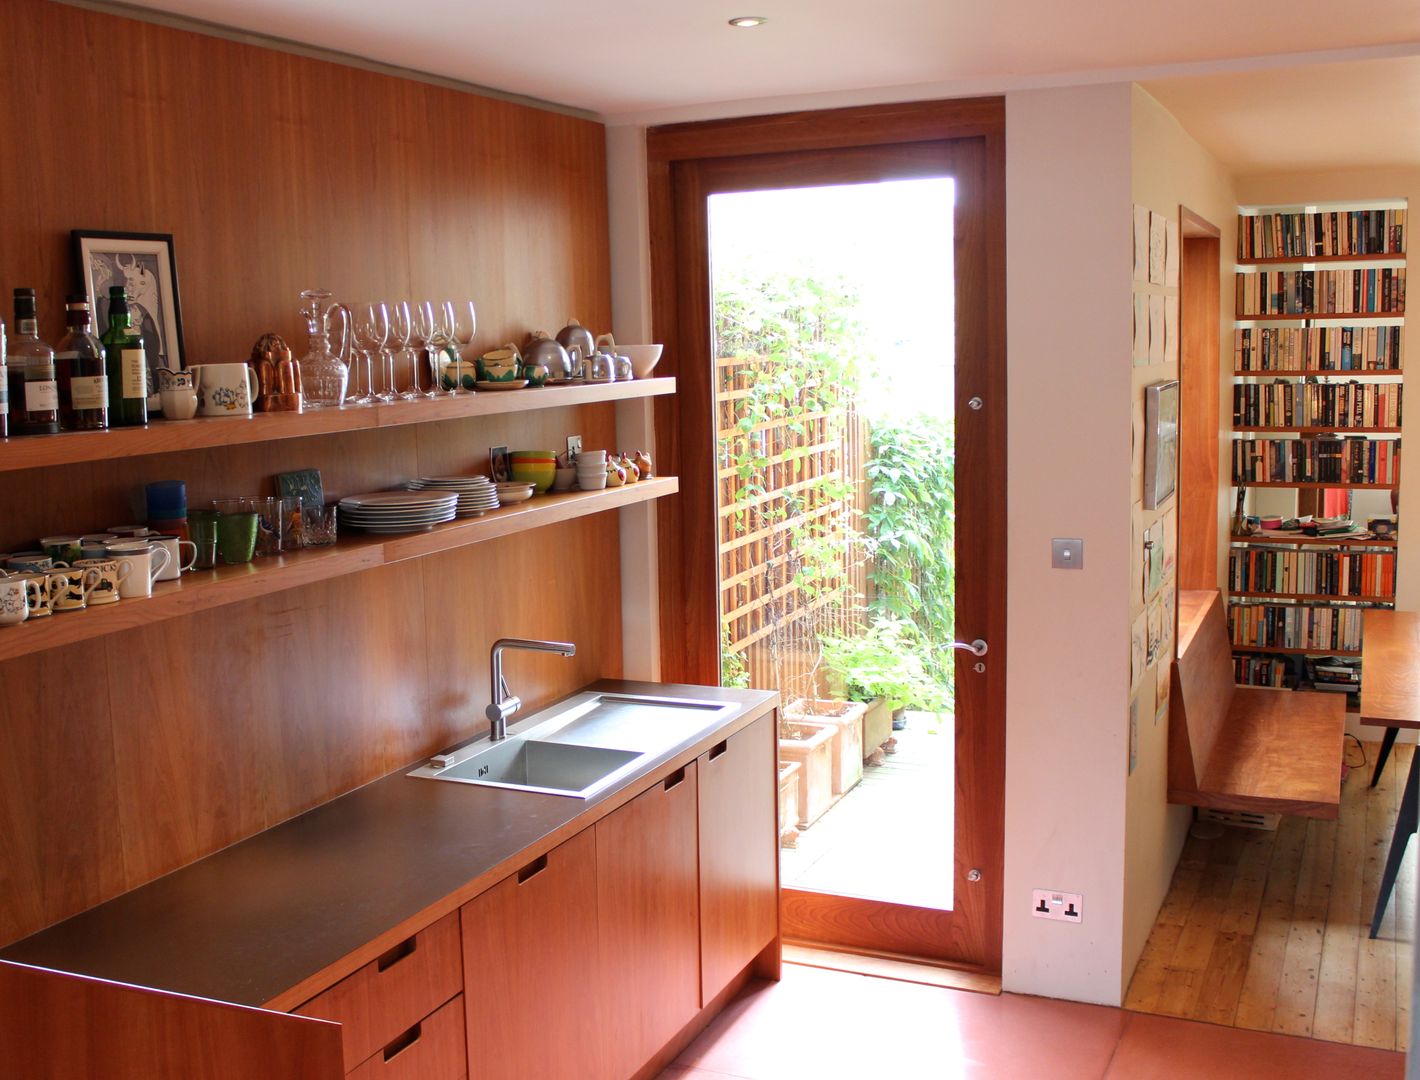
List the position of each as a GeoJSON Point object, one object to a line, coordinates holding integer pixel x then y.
{"type": "Point", "coordinates": [126, 363]}
{"type": "Point", "coordinates": [4, 387]}
{"type": "Point", "coordinates": [33, 386]}
{"type": "Point", "coordinates": [82, 354]}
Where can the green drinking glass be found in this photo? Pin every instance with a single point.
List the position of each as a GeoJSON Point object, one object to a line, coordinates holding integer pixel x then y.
{"type": "Point", "coordinates": [202, 527]}
{"type": "Point", "coordinates": [236, 537]}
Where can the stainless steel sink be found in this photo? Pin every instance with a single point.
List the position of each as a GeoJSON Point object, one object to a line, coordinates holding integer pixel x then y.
{"type": "Point", "coordinates": [579, 746]}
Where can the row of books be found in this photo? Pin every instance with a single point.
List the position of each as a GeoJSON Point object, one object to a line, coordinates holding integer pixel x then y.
{"type": "Point", "coordinates": [1340, 574]}
{"type": "Point", "coordinates": [1353, 460]}
{"type": "Point", "coordinates": [1291, 626]}
{"type": "Point", "coordinates": [1376, 291]}
{"type": "Point", "coordinates": [1337, 674]}
{"type": "Point", "coordinates": [1317, 348]}
{"type": "Point", "coordinates": [1252, 670]}
{"type": "Point", "coordinates": [1330, 405]}
{"type": "Point", "coordinates": [1326, 232]}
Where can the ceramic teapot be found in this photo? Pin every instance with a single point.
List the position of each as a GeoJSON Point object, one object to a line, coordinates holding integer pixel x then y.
{"type": "Point", "coordinates": [545, 361]}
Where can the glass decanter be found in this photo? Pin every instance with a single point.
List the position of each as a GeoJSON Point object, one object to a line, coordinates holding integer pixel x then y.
{"type": "Point", "coordinates": [324, 372]}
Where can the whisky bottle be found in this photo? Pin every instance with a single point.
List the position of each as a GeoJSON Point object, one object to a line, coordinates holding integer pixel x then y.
{"type": "Point", "coordinates": [127, 366]}
{"type": "Point", "coordinates": [82, 355]}
{"type": "Point", "coordinates": [34, 389]}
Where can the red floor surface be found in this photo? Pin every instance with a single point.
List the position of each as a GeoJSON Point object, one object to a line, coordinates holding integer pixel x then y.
{"type": "Point", "coordinates": [826, 1025]}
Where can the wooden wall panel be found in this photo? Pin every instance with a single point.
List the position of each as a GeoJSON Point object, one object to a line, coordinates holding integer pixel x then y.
{"type": "Point", "coordinates": [128, 756]}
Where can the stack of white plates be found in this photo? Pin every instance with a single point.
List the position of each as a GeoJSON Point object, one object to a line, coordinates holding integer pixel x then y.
{"type": "Point", "coordinates": [476, 494]}
{"type": "Point", "coordinates": [398, 511]}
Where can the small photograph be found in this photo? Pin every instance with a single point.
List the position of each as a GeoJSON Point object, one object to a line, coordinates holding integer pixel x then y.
{"type": "Point", "coordinates": [498, 464]}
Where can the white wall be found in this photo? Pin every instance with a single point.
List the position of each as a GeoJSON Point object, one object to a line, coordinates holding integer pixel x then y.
{"type": "Point", "coordinates": [1169, 170]}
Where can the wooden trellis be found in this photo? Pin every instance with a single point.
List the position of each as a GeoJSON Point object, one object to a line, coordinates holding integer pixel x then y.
{"type": "Point", "coordinates": [762, 610]}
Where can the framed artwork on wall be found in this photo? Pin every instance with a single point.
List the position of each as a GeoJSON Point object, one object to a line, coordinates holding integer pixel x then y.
{"type": "Point", "coordinates": [145, 265]}
{"type": "Point", "coordinates": [1160, 442]}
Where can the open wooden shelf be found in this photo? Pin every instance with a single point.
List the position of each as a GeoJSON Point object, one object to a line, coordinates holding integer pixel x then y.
{"type": "Point", "coordinates": [1313, 485]}
{"type": "Point", "coordinates": [1321, 373]}
{"type": "Point", "coordinates": [175, 436]}
{"type": "Point", "coordinates": [1296, 260]}
{"type": "Point", "coordinates": [1317, 597]}
{"type": "Point", "coordinates": [203, 590]}
{"type": "Point", "coordinates": [1295, 652]}
{"type": "Point", "coordinates": [1339, 541]}
{"type": "Point", "coordinates": [1320, 430]}
{"type": "Point", "coordinates": [1328, 316]}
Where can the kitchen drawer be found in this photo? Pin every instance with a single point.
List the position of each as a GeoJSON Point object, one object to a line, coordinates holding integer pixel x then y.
{"type": "Point", "coordinates": [392, 993]}
{"type": "Point", "coordinates": [432, 1049]}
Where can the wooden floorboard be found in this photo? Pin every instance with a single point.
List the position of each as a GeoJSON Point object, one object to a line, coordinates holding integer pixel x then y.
{"type": "Point", "coordinates": [1269, 930]}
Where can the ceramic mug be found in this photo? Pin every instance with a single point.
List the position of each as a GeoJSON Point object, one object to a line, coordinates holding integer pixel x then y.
{"type": "Point", "coordinates": [225, 389]}
{"type": "Point", "coordinates": [14, 601]}
{"type": "Point", "coordinates": [36, 593]}
{"type": "Point", "coordinates": [144, 563]}
{"type": "Point", "coordinates": [29, 562]}
{"type": "Point", "coordinates": [70, 587]}
{"type": "Point", "coordinates": [111, 576]}
{"type": "Point", "coordinates": [174, 567]}
{"type": "Point", "coordinates": [64, 550]}
{"type": "Point", "coordinates": [129, 532]}
{"type": "Point", "coordinates": [179, 403]}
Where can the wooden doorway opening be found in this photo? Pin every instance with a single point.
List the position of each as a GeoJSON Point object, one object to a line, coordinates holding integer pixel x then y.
{"type": "Point", "coordinates": [1200, 502]}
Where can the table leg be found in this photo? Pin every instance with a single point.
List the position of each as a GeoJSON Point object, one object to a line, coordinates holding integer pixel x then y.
{"type": "Point", "coordinates": [1387, 741]}
{"type": "Point", "coordinates": [1405, 821]}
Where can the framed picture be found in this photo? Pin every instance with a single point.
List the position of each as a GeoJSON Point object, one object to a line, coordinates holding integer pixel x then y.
{"type": "Point", "coordinates": [1160, 442]}
{"type": "Point", "coordinates": [144, 264]}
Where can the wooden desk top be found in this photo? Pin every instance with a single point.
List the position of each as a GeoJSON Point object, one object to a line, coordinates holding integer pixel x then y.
{"type": "Point", "coordinates": [1390, 668]}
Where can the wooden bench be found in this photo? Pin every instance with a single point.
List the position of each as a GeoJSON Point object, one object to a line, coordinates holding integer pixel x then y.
{"type": "Point", "coordinates": [1242, 747]}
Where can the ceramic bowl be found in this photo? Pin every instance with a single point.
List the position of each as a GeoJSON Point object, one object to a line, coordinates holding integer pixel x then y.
{"type": "Point", "coordinates": [537, 467]}
{"type": "Point", "coordinates": [644, 358]}
{"type": "Point", "coordinates": [591, 481]}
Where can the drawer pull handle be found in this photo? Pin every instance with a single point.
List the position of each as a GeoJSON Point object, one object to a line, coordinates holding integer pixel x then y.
{"type": "Point", "coordinates": [718, 749]}
{"type": "Point", "coordinates": [404, 1042]}
{"type": "Point", "coordinates": [395, 955]}
{"type": "Point", "coordinates": [675, 778]}
{"type": "Point", "coordinates": [532, 869]}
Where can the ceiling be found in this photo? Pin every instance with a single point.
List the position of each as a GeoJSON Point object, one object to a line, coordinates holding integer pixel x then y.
{"type": "Point", "coordinates": [620, 58]}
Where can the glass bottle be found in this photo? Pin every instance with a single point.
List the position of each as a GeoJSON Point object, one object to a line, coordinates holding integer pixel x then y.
{"type": "Point", "coordinates": [34, 388]}
{"type": "Point", "coordinates": [4, 387]}
{"type": "Point", "coordinates": [82, 354]}
{"type": "Point", "coordinates": [323, 370]}
{"type": "Point", "coordinates": [126, 364]}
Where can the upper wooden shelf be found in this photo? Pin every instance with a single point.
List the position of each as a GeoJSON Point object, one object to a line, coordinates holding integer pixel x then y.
{"type": "Point", "coordinates": [1294, 652]}
{"type": "Point", "coordinates": [1338, 541]}
{"type": "Point", "coordinates": [1333, 430]}
{"type": "Point", "coordinates": [203, 590]}
{"type": "Point", "coordinates": [1325, 598]}
{"type": "Point", "coordinates": [1294, 260]}
{"type": "Point", "coordinates": [1313, 485]}
{"type": "Point", "coordinates": [174, 436]}
{"type": "Point", "coordinates": [1321, 316]}
{"type": "Point", "coordinates": [1295, 373]}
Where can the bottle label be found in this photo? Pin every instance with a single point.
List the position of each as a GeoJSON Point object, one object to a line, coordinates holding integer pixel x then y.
{"type": "Point", "coordinates": [41, 396]}
{"type": "Point", "coordinates": [135, 373]}
{"type": "Point", "coordinates": [89, 391]}
{"type": "Point", "coordinates": [4, 394]}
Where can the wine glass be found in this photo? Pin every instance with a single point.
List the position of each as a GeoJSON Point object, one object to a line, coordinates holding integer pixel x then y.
{"type": "Point", "coordinates": [401, 332]}
{"type": "Point", "coordinates": [463, 322]}
{"type": "Point", "coordinates": [434, 322]}
{"type": "Point", "coordinates": [371, 327]}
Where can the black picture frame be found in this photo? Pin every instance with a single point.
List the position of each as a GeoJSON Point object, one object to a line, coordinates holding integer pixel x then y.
{"type": "Point", "coordinates": [152, 280]}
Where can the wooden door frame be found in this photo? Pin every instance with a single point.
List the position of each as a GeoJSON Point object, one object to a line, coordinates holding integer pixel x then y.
{"type": "Point", "coordinates": [688, 581]}
{"type": "Point", "coordinates": [1199, 374]}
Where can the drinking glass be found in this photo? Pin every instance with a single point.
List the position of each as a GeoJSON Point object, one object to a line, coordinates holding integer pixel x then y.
{"type": "Point", "coordinates": [318, 526]}
{"type": "Point", "coordinates": [465, 322]}
{"type": "Point", "coordinates": [236, 536]}
{"type": "Point", "coordinates": [401, 332]}
{"type": "Point", "coordinates": [371, 326]}
{"type": "Point", "coordinates": [432, 329]}
{"type": "Point", "coordinates": [415, 336]}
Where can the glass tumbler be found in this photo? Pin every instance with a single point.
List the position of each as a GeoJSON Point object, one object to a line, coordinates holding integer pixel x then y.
{"type": "Point", "coordinates": [202, 527]}
{"type": "Point", "coordinates": [318, 526]}
{"type": "Point", "coordinates": [292, 523]}
{"type": "Point", "coordinates": [236, 536]}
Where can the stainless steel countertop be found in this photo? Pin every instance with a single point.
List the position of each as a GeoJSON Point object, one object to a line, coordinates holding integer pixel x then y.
{"type": "Point", "coordinates": [275, 918]}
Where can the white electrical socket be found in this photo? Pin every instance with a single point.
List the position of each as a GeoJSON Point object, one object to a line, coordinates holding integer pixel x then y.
{"type": "Point", "coordinates": [1060, 906]}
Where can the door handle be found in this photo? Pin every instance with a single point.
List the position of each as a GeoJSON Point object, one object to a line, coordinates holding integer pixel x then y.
{"type": "Point", "coordinates": [976, 648]}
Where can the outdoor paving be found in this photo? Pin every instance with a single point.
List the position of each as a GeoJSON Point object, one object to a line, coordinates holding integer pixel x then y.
{"type": "Point", "coordinates": [890, 838]}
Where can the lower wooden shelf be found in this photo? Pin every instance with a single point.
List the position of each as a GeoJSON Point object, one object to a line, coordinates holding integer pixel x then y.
{"type": "Point", "coordinates": [1298, 538]}
{"type": "Point", "coordinates": [1295, 652]}
{"type": "Point", "coordinates": [203, 590]}
{"type": "Point", "coordinates": [1319, 597]}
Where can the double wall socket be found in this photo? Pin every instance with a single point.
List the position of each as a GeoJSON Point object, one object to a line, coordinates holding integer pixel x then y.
{"type": "Point", "coordinates": [1060, 906]}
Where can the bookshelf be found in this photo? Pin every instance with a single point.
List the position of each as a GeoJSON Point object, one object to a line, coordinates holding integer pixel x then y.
{"type": "Point", "coordinates": [1317, 394]}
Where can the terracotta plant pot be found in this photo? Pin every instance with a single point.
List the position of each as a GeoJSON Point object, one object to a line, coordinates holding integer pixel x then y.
{"type": "Point", "coordinates": [847, 719]}
{"type": "Point", "coordinates": [789, 772]}
{"type": "Point", "coordinates": [877, 730]}
{"type": "Point", "coordinates": [810, 745]}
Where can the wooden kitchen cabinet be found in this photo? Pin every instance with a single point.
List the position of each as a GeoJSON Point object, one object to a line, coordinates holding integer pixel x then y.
{"type": "Point", "coordinates": [739, 854]}
{"type": "Point", "coordinates": [648, 908]}
{"type": "Point", "coordinates": [531, 978]}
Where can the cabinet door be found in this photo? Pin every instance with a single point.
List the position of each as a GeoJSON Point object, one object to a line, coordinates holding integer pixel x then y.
{"type": "Point", "coordinates": [531, 989]}
{"type": "Point", "coordinates": [739, 854]}
{"type": "Point", "coordinates": [647, 906]}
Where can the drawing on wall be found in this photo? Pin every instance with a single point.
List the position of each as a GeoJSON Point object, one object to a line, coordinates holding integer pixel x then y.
{"type": "Point", "coordinates": [1172, 253]}
{"type": "Point", "coordinates": [1171, 329]}
{"type": "Point", "coordinates": [1169, 596]}
{"type": "Point", "coordinates": [1153, 562]}
{"type": "Point", "coordinates": [1169, 537]}
{"type": "Point", "coordinates": [1133, 735]}
{"type": "Point", "coordinates": [1138, 649]}
{"type": "Point", "coordinates": [1141, 244]}
{"type": "Point", "coordinates": [1156, 329]}
{"type": "Point", "coordinates": [1157, 245]}
{"type": "Point", "coordinates": [1160, 442]}
{"type": "Point", "coordinates": [1156, 630]}
{"type": "Point", "coordinates": [1141, 329]}
{"type": "Point", "coordinates": [1161, 683]}
{"type": "Point", "coordinates": [1137, 558]}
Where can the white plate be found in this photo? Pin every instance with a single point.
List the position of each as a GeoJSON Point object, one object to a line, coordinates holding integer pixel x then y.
{"type": "Point", "coordinates": [399, 499]}
{"type": "Point", "coordinates": [513, 384]}
{"type": "Point", "coordinates": [452, 481]}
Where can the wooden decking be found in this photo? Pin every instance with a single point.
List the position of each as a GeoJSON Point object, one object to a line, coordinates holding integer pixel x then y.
{"type": "Point", "coordinates": [1269, 930]}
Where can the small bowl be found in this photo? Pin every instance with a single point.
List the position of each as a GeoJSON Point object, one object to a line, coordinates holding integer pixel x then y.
{"type": "Point", "coordinates": [592, 482]}
{"type": "Point", "coordinates": [644, 358]}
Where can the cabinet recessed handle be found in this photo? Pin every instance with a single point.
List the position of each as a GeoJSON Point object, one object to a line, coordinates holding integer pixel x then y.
{"type": "Point", "coordinates": [404, 1042]}
{"type": "Point", "coordinates": [718, 749]}
{"type": "Point", "coordinates": [674, 778]}
{"type": "Point", "coordinates": [395, 955]}
{"type": "Point", "coordinates": [532, 869]}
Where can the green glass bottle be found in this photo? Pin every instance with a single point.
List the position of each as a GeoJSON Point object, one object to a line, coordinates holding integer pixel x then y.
{"type": "Point", "coordinates": [126, 362]}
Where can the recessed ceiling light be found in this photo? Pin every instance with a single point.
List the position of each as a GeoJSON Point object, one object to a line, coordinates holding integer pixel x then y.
{"type": "Point", "coordinates": [744, 22]}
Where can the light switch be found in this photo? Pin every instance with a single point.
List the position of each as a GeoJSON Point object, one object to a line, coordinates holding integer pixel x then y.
{"type": "Point", "coordinates": [1067, 553]}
